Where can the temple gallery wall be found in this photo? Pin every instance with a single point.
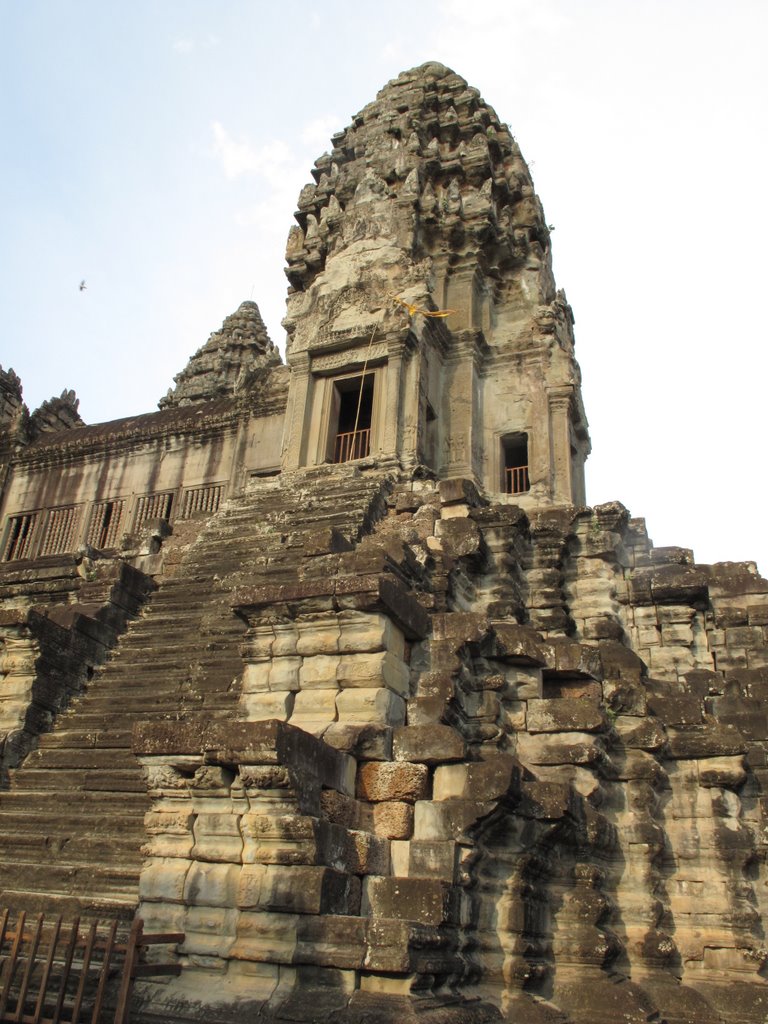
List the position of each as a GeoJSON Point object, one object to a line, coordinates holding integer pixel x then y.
{"type": "Point", "coordinates": [329, 667]}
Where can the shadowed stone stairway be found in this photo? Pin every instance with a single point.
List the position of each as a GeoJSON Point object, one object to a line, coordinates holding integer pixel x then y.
{"type": "Point", "coordinates": [73, 819]}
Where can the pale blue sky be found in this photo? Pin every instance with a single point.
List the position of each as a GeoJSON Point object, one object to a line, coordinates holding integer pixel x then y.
{"type": "Point", "coordinates": [157, 149]}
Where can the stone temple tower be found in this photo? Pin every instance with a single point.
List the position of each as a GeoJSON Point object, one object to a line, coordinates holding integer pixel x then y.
{"type": "Point", "coordinates": [425, 205]}
{"type": "Point", "coordinates": [326, 673]}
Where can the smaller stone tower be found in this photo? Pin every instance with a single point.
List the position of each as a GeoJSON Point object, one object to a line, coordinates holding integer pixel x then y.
{"type": "Point", "coordinates": [424, 206]}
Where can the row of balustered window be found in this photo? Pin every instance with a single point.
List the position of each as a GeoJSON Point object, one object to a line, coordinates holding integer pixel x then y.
{"type": "Point", "coordinates": [56, 531]}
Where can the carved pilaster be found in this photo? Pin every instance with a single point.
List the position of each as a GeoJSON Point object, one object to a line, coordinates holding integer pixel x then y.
{"type": "Point", "coordinates": [560, 443]}
{"type": "Point", "coordinates": [462, 406]}
{"type": "Point", "coordinates": [392, 399]}
{"type": "Point", "coordinates": [296, 415]}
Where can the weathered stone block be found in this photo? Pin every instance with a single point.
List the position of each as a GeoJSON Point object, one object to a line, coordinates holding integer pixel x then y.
{"type": "Point", "coordinates": [728, 772]}
{"type": "Point", "coordinates": [314, 709]}
{"type": "Point", "coordinates": [524, 683]}
{"type": "Point", "coordinates": [248, 894]}
{"type": "Point", "coordinates": [209, 931]}
{"type": "Point", "coordinates": [548, 801]}
{"type": "Point", "coordinates": [387, 950]}
{"type": "Point", "coordinates": [284, 673]}
{"type": "Point", "coordinates": [447, 819]}
{"type": "Point", "coordinates": [642, 733]}
{"type": "Point", "coordinates": [378, 706]}
{"type": "Point", "coordinates": [566, 748]}
{"type": "Point", "coordinates": [212, 885]}
{"type": "Point", "coordinates": [308, 889]}
{"type": "Point", "coordinates": [638, 765]}
{"type": "Point", "coordinates": [340, 809]}
{"type": "Point", "coordinates": [460, 511]}
{"type": "Point", "coordinates": [326, 540]}
{"type": "Point", "coordinates": [422, 900]}
{"type": "Point", "coordinates": [459, 536]}
{"type": "Point", "coordinates": [378, 669]}
{"type": "Point", "coordinates": [319, 672]}
{"type": "Point", "coordinates": [484, 780]}
{"type": "Point", "coordinates": [463, 627]}
{"type": "Point", "coordinates": [712, 740]}
{"type": "Point", "coordinates": [433, 859]}
{"type": "Point", "coordinates": [518, 644]}
{"type": "Point", "coordinates": [396, 780]}
{"type": "Point", "coordinates": [368, 854]}
{"type": "Point", "coordinates": [280, 840]}
{"type": "Point", "coordinates": [367, 633]}
{"type": "Point", "coordinates": [428, 744]}
{"type": "Point", "coordinates": [512, 715]}
{"type": "Point", "coordinates": [571, 658]}
{"type": "Point", "coordinates": [286, 638]}
{"type": "Point", "coordinates": [459, 490]}
{"type": "Point", "coordinates": [318, 637]}
{"type": "Point", "coordinates": [564, 714]}
{"type": "Point", "coordinates": [256, 676]}
{"type": "Point", "coordinates": [264, 936]}
{"type": "Point", "coordinates": [681, 712]}
{"type": "Point", "coordinates": [363, 741]}
{"type": "Point", "coordinates": [336, 941]}
{"type": "Point", "coordinates": [263, 706]}
{"type": "Point", "coordinates": [163, 879]}
{"type": "Point", "coordinates": [170, 822]}
{"type": "Point", "coordinates": [217, 838]}
{"type": "Point", "coordinates": [392, 819]}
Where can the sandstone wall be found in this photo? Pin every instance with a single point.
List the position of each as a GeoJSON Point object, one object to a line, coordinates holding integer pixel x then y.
{"type": "Point", "coordinates": [478, 786]}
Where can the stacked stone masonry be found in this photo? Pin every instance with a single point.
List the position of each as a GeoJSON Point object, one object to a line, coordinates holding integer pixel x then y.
{"type": "Point", "coordinates": [386, 739]}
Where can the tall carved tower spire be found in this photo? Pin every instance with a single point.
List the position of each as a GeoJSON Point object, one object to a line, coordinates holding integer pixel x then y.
{"type": "Point", "coordinates": [425, 204]}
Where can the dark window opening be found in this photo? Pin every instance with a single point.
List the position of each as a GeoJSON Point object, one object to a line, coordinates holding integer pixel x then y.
{"type": "Point", "coordinates": [21, 531]}
{"type": "Point", "coordinates": [104, 526]}
{"type": "Point", "coordinates": [353, 402]}
{"type": "Point", "coordinates": [516, 479]}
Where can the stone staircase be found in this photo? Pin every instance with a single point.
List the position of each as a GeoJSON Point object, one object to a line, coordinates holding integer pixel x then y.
{"type": "Point", "coordinates": [72, 819]}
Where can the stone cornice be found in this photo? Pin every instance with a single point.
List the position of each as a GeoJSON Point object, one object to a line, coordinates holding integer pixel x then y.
{"type": "Point", "coordinates": [194, 422]}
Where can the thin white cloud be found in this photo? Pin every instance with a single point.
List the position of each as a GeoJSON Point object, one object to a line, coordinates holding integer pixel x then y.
{"type": "Point", "coordinates": [238, 156]}
{"type": "Point", "coordinates": [317, 132]}
{"type": "Point", "coordinates": [189, 45]}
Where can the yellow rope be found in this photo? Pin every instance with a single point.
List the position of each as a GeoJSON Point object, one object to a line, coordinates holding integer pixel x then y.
{"type": "Point", "coordinates": [362, 382]}
{"type": "Point", "coordinates": [412, 310]}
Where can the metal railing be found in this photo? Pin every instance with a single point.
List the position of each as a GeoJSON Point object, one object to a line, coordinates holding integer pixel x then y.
{"type": "Point", "coordinates": [354, 445]}
{"type": "Point", "coordinates": [57, 973]}
{"type": "Point", "coordinates": [516, 479]}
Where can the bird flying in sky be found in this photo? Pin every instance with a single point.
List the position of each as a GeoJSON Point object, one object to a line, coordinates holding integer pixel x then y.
{"type": "Point", "coordinates": [83, 286]}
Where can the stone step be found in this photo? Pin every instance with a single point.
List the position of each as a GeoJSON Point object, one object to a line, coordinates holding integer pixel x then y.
{"type": "Point", "coordinates": [95, 721]}
{"type": "Point", "coordinates": [79, 848]}
{"type": "Point", "coordinates": [49, 802]}
{"type": "Point", "coordinates": [90, 757]}
{"type": "Point", "coordinates": [92, 820]}
{"type": "Point", "coordinates": [67, 879]}
{"type": "Point", "coordinates": [70, 782]}
{"type": "Point", "coordinates": [105, 737]}
{"type": "Point", "coordinates": [74, 813]}
{"type": "Point", "coordinates": [70, 907]}
{"type": "Point", "coordinates": [214, 651]}
{"type": "Point", "coordinates": [147, 697]}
